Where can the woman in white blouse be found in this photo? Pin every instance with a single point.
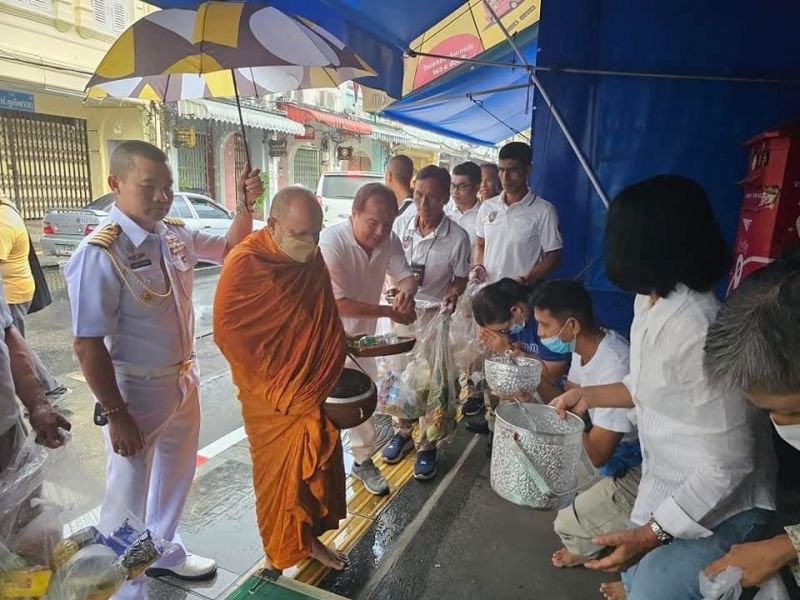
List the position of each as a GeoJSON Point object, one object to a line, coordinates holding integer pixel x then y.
{"type": "Point", "coordinates": [708, 466]}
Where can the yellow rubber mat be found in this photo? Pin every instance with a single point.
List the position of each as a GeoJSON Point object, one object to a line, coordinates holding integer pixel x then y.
{"type": "Point", "coordinates": [362, 508]}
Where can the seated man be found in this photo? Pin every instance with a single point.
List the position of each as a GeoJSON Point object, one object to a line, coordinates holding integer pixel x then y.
{"type": "Point", "coordinates": [505, 316]}
{"type": "Point", "coordinates": [563, 310]}
{"type": "Point", "coordinates": [753, 346]}
{"type": "Point", "coordinates": [276, 321]}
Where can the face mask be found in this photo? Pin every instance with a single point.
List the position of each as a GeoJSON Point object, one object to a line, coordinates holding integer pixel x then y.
{"type": "Point", "coordinates": [557, 345]}
{"type": "Point", "coordinates": [790, 434]}
{"type": "Point", "coordinates": [300, 248]}
{"type": "Point", "coordinates": [516, 328]}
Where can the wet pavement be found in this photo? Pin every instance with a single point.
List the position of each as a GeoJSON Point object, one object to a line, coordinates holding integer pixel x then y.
{"type": "Point", "coordinates": [449, 538]}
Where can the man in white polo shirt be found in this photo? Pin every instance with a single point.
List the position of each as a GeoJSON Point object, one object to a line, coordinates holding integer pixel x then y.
{"type": "Point", "coordinates": [464, 207]}
{"type": "Point", "coordinates": [518, 234]}
{"type": "Point", "coordinates": [438, 251]}
{"type": "Point", "coordinates": [397, 177]}
{"type": "Point", "coordinates": [359, 254]}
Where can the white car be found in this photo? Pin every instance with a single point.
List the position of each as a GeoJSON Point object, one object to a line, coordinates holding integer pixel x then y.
{"type": "Point", "coordinates": [336, 190]}
{"type": "Point", "coordinates": [63, 229]}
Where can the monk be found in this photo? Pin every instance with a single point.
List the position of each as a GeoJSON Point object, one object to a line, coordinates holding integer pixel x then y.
{"type": "Point", "coordinates": [276, 322]}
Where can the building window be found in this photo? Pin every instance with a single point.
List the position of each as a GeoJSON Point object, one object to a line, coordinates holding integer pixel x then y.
{"type": "Point", "coordinates": [42, 5]}
{"type": "Point", "coordinates": [111, 15]}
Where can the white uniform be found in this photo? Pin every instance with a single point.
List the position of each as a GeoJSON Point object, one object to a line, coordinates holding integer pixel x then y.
{"type": "Point", "coordinates": [517, 236]}
{"type": "Point", "coordinates": [142, 306]}
{"type": "Point", "coordinates": [443, 253]}
{"type": "Point", "coordinates": [468, 220]}
{"type": "Point", "coordinates": [360, 277]}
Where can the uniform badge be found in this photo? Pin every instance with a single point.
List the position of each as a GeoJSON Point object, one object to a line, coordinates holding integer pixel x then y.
{"type": "Point", "coordinates": [492, 216]}
{"type": "Point", "coordinates": [176, 246]}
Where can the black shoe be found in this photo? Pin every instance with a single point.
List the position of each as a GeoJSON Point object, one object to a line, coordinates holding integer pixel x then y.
{"type": "Point", "coordinates": [477, 425]}
{"type": "Point", "coordinates": [472, 406]}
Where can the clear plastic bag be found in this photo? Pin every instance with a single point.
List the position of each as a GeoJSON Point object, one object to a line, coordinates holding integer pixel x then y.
{"type": "Point", "coordinates": [727, 585]}
{"type": "Point", "coordinates": [51, 542]}
{"type": "Point", "coordinates": [440, 410]}
{"type": "Point", "coordinates": [404, 395]}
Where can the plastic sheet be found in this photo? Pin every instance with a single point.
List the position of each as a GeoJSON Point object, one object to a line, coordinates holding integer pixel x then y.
{"type": "Point", "coordinates": [52, 544]}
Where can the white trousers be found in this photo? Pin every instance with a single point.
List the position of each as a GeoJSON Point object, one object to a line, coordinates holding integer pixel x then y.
{"type": "Point", "coordinates": [154, 485]}
{"type": "Point", "coordinates": [362, 440]}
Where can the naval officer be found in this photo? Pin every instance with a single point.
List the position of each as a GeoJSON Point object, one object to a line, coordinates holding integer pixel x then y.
{"type": "Point", "coordinates": [130, 287]}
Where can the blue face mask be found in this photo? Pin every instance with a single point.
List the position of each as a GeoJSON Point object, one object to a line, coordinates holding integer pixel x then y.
{"type": "Point", "coordinates": [557, 345]}
{"type": "Point", "coordinates": [516, 328]}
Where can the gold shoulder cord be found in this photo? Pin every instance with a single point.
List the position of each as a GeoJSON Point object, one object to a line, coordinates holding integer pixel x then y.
{"type": "Point", "coordinates": [147, 297]}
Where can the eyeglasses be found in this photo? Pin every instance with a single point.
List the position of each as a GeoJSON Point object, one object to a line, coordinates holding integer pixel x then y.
{"type": "Point", "coordinates": [461, 187]}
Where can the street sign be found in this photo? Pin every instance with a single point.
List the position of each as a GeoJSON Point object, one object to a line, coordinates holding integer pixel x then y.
{"type": "Point", "coordinates": [17, 101]}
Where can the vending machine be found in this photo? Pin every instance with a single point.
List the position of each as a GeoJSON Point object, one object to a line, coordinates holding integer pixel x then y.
{"type": "Point", "coordinates": [769, 220]}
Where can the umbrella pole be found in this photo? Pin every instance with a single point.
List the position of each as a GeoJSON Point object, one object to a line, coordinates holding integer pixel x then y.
{"type": "Point", "coordinates": [241, 119]}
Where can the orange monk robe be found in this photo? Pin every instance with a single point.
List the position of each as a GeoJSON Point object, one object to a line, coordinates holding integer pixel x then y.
{"type": "Point", "coordinates": [276, 322]}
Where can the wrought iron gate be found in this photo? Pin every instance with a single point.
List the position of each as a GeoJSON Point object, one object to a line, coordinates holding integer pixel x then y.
{"type": "Point", "coordinates": [306, 167]}
{"type": "Point", "coordinates": [44, 162]}
{"type": "Point", "coordinates": [193, 166]}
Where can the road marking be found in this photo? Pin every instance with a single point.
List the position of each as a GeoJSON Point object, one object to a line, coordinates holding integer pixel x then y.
{"type": "Point", "coordinates": [388, 563]}
{"type": "Point", "coordinates": [221, 445]}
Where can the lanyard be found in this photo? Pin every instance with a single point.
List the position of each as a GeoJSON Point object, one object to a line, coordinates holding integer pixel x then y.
{"type": "Point", "coordinates": [409, 236]}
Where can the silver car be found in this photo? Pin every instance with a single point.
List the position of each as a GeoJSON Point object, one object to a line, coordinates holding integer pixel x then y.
{"type": "Point", "coordinates": [63, 229]}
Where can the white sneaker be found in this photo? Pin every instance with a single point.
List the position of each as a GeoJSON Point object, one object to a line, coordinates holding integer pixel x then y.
{"type": "Point", "coordinates": [193, 568]}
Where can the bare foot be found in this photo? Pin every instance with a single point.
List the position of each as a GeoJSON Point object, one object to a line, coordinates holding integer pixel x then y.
{"type": "Point", "coordinates": [329, 557]}
{"type": "Point", "coordinates": [565, 558]}
{"type": "Point", "coordinates": [612, 590]}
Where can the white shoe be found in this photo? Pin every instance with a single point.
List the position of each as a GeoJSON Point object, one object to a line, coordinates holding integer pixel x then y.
{"type": "Point", "coordinates": [193, 568]}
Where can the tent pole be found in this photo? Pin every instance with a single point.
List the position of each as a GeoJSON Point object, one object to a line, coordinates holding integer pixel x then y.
{"type": "Point", "coordinates": [571, 141]}
{"type": "Point", "coordinates": [553, 110]}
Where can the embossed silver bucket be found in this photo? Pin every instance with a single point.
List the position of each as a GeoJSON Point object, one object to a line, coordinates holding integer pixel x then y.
{"type": "Point", "coordinates": [535, 456]}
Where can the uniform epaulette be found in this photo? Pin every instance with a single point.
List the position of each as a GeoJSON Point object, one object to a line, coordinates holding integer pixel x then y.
{"type": "Point", "coordinates": [174, 221]}
{"type": "Point", "coordinates": [106, 236]}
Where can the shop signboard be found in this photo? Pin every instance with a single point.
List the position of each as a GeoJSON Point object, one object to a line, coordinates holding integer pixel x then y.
{"type": "Point", "coordinates": [309, 133]}
{"type": "Point", "coordinates": [278, 148]}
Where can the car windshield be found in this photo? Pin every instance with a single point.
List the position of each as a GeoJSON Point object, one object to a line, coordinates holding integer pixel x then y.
{"type": "Point", "coordinates": [102, 203]}
{"type": "Point", "coordinates": [346, 186]}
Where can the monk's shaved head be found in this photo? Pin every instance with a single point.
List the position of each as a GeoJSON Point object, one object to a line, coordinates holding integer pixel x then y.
{"type": "Point", "coordinates": [294, 196]}
{"type": "Point", "coordinates": [294, 212]}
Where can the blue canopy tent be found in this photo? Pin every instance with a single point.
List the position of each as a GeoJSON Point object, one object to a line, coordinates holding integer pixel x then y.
{"type": "Point", "coordinates": [481, 104]}
{"type": "Point", "coordinates": [668, 87]}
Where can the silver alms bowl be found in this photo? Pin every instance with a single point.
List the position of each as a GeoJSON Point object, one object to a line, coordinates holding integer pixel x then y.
{"type": "Point", "coordinates": [507, 377]}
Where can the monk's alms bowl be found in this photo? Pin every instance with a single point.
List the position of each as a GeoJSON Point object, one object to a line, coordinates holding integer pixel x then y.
{"type": "Point", "coordinates": [352, 400]}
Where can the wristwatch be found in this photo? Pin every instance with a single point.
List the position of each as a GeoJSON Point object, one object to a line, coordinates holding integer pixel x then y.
{"type": "Point", "coordinates": [659, 532]}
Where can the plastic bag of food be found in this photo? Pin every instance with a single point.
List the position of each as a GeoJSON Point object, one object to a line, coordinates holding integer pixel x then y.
{"type": "Point", "coordinates": [440, 407]}
{"type": "Point", "coordinates": [53, 542]}
{"type": "Point", "coordinates": [404, 395]}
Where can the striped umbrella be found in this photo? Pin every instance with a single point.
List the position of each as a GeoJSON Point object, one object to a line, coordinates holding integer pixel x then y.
{"type": "Point", "coordinates": [222, 50]}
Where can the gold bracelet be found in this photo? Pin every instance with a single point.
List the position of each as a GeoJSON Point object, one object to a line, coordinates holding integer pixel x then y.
{"type": "Point", "coordinates": [112, 411]}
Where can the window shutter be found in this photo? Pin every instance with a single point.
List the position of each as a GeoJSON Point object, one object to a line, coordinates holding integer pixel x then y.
{"type": "Point", "coordinates": [40, 4]}
{"type": "Point", "coordinates": [100, 13]}
{"type": "Point", "coordinates": [119, 15]}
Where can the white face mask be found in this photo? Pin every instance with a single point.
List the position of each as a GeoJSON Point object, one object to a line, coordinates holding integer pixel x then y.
{"type": "Point", "coordinates": [790, 434]}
